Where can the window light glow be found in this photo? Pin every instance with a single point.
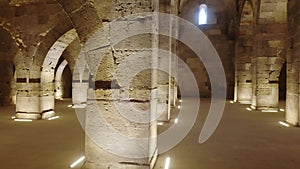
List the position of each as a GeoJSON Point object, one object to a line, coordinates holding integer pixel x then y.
{"type": "Point", "coordinates": [202, 14]}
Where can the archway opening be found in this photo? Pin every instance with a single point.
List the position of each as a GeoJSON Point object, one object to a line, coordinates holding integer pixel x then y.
{"type": "Point", "coordinates": [7, 52]}
{"type": "Point", "coordinates": [282, 82]}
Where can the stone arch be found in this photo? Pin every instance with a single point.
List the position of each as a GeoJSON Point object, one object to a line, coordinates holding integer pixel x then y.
{"type": "Point", "coordinates": [71, 53]}
{"type": "Point", "coordinates": [49, 39]}
{"type": "Point", "coordinates": [8, 49]}
{"type": "Point", "coordinates": [244, 54]}
{"type": "Point", "coordinates": [47, 86]}
{"type": "Point", "coordinates": [84, 16]}
{"type": "Point", "coordinates": [14, 31]}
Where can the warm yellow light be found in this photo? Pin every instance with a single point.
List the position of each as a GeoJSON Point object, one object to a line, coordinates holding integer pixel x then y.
{"type": "Point", "coordinates": [282, 110]}
{"type": "Point", "coordinates": [53, 118]}
{"type": "Point", "coordinates": [167, 164]}
{"type": "Point", "coordinates": [179, 107]}
{"type": "Point", "coordinates": [77, 162]}
{"type": "Point", "coordinates": [176, 121]}
{"type": "Point", "coordinates": [23, 120]}
{"type": "Point", "coordinates": [180, 100]}
{"type": "Point", "coordinates": [270, 111]}
{"type": "Point", "coordinates": [70, 105]}
{"type": "Point", "coordinates": [160, 123]}
{"type": "Point", "coordinates": [231, 101]}
{"type": "Point", "coordinates": [284, 124]}
{"type": "Point", "coordinates": [248, 108]}
{"type": "Point", "coordinates": [13, 117]}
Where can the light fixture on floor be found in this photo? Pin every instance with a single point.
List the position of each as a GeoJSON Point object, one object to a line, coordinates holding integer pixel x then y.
{"type": "Point", "coordinates": [53, 118]}
{"type": "Point", "coordinates": [232, 101]}
{"type": "Point", "coordinates": [70, 105]}
{"type": "Point", "coordinates": [167, 164]}
{"type": "Point", "coordinates": [282, 110]}
{"type": "Point", "coordinates": [284, 124]}
{"type": "Point", "coordinates": [179, 107]}
{"type": "Point", "coordinates": [160, 123]}
{"type": "Point", "coordinates": [270, 111]}
{"type": "Point", "coordinates": [23, 120]}
{"type": "Point", "coordinates": [13, 117]}
{"type": "Point", "coordinates": [176, 121]}
{"type": "Point", "coordinates": [77, 162]}
{"type": "Point", "coordinates": [249, 109]}
{"type": "Point", "coordinates": [180, 100]}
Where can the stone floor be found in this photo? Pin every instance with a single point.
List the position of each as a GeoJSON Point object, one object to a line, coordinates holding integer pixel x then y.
{"type": "Point", "coordinates": [243, 140]}
{"type": "Point", "coordinates": [40, 144]}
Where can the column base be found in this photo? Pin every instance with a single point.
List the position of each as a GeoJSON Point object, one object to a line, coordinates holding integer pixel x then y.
{"type": "Point", "coordinates": [91, 165]}
{"type": "Point", "coordinates": [244, 101]}
{"type": "Point", "coordinates": [35, 116]}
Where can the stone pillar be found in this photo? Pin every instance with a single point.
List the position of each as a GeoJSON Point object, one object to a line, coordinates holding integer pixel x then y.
{"type": "Point", "coordinates": [28, 100]}
{"type": "Point", "coordinates": [164, 63]}
{"type": "Point", "coordinates": [121, 91]}
{"type": "Point", "coordinates": [244, 52]}
{"type": "Point", "coordinates": [254, 82]}
{"type": "Point", "coordinates": [243, 70]}
{"type": "Point", "coordinates": [174, 32]}
{"type": "Point", "coordinates": [47, 86]}
{"type": "Point", "coordinates": [270, 53]}
{"type": "Point", "coordinates": [293, 65]}
{"type": "Point", "coordinates": [6, 82]}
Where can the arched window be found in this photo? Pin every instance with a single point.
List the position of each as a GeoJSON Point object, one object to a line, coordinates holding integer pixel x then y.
{"type": "Point", "coordinates": [202, 14]}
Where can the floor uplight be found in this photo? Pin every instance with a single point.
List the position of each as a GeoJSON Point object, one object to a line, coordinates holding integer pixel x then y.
{"type": "Point", "coordinates": [160, 123]}
{"type": "Point", "coordinates": [167, 164]}
{"type": "Point", "coordinates": [284, 124]}
{"type": "Point", "coordinates": [178, 107]}
{"type": "Point", "coordinates": [176, 121]}
{"type": "Point", "coordinates": [23, 120]}
{"type": "Point", "coordinates": [248, 108]}
{"type": "Point", "coordinates": [53, 118]}
{"type": "Point", "coordinates": [77, 162]}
